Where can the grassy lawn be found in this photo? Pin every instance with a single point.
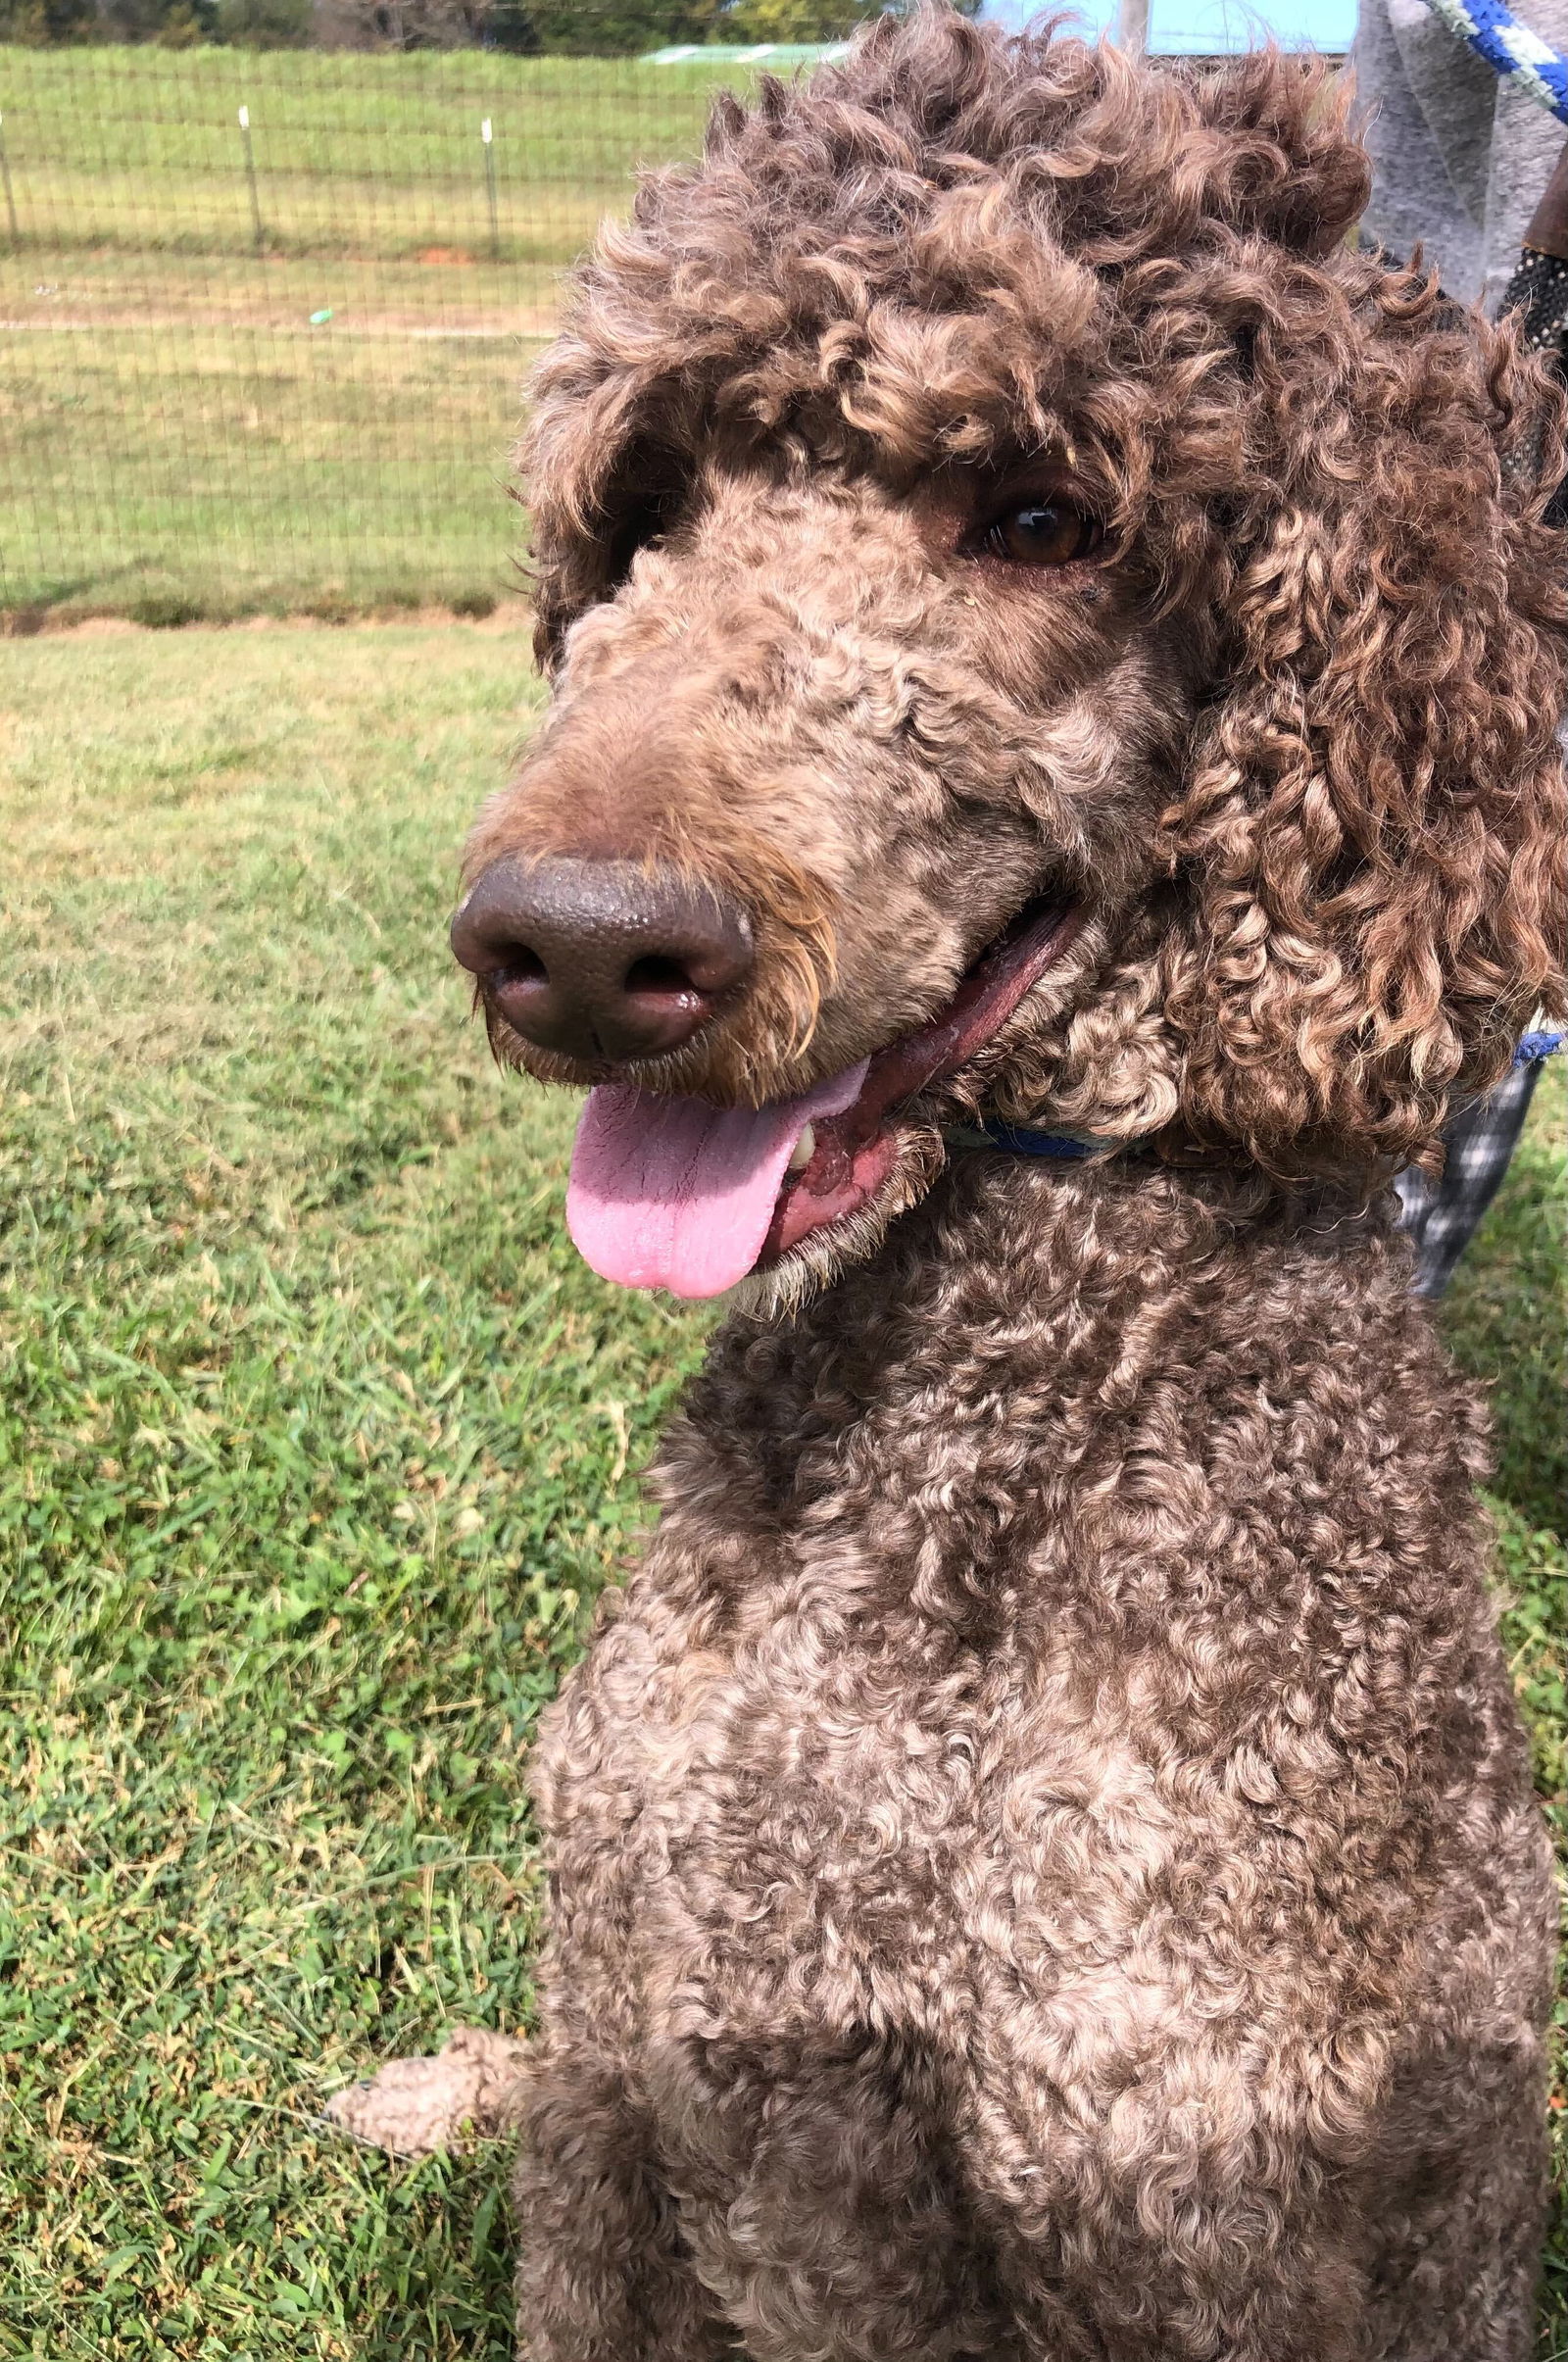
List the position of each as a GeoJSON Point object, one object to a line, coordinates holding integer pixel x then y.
{"type": "Point", "coordinates": [258, 468]}
{"type": "Point", "coordinates": [314, 1438]}
{"type": "Point", "coordinates": [180, 438]}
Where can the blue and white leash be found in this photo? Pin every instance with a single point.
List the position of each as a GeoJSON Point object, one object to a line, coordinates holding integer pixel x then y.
{"type": "Point", "coordinates": [1511, 49]}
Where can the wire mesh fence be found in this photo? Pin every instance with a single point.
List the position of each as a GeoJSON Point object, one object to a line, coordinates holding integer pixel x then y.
{"type": "Point", "coordinates": [266, 315]}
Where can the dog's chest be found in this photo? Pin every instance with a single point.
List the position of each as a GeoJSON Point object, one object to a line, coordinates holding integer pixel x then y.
{"type": "Point", "coordinates": [969, 1709]}
{"type": "Point", "coordinates": [840, 1812]}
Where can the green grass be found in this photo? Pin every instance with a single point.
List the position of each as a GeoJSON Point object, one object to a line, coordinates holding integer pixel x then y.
{"type": "Point", "coordinates": [314, 1440]}
{"type": "Point", "coordinates": [179, 435]}
{"type": "Point", "coordinates": [1506, 1313]}
{"type": "Point", "coordinates": [261, 469]}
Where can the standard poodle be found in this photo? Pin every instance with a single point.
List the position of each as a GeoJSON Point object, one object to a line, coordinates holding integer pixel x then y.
{"type": "Point", "coordinates": [1049, 795]}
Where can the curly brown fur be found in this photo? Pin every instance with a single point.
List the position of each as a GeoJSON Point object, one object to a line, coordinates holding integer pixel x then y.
{"type": "Point", "coordinates": [1042, 1858]}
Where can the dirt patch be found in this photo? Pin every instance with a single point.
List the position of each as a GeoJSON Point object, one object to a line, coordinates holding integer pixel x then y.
{"type": "Point", "coordinates": [507, 616]}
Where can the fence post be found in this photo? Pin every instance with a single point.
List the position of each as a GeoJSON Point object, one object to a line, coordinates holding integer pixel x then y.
{"type": "Point", "coordinates": [1131, 26]}
{"type": "Point", "coordinates": [5, 175]}
{"type": "Point", "coordinates": [257, 231]}
{"type": "Point", "coordinates": [490, 189]}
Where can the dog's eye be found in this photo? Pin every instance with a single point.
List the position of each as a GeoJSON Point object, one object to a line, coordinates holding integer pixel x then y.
{"type": "Point", "coordinates": [1043, 532]}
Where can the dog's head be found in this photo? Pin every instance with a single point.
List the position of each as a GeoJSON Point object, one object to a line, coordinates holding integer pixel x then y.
{"type": "Point", "coordinates": [1039, 626]}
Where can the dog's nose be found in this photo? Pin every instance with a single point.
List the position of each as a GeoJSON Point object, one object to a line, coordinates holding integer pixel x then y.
{"type": "Point", "coordinates": [601, 959]}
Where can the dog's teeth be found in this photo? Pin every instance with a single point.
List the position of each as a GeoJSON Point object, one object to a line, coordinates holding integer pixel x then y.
{"type": "Point", "coordinates": [805, 1149]}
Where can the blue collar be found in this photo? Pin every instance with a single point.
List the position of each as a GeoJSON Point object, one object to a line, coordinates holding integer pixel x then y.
{"type": "Point", "coordinates": [1022, 1140]}
{"type": "Point", "coordinates": [1070, 1148]}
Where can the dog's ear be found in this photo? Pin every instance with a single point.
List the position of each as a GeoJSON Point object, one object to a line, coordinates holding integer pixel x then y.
{"type": "Point", "coordinates": [1371, 841]}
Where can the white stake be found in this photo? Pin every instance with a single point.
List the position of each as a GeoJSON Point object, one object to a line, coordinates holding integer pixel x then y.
{"type": "Point", "coordinates": [490, 190]}
{"type": "Point", "coordinates": [257, 235]}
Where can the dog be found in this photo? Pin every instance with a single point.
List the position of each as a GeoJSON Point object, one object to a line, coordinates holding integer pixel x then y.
{"type": "Point", "coordinates": [1049, 795]}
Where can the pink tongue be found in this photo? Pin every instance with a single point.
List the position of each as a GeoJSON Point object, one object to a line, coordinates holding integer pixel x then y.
{"type": "Point", "coordinates": [671, 1193]}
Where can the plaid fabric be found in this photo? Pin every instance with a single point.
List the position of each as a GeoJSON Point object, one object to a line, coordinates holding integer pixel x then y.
{"type": "Point", "coordinates": [1441, 1216]}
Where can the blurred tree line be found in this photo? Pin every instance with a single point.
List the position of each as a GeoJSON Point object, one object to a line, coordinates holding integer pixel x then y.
{"type": "Point", "coordinates": [524, 27]}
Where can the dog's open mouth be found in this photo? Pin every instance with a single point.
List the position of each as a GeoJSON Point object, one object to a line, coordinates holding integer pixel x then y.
{"type": "Point", "coordinates": [672, 1193]}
